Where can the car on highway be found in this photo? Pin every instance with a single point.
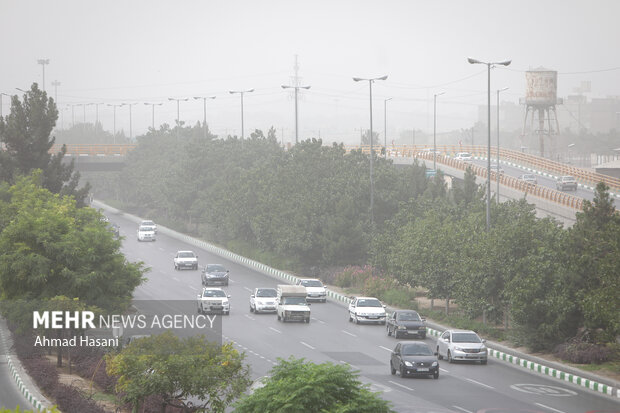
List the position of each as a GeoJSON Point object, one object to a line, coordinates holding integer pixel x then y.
{"type": "Point", "coordinates": [145, 233]}
{"type": "Point", "coordinates": [429, 151]}
{"type": "Point", "coordinates": [366, 310]}
{"type": "Point", "coordinates": [463, 156]}
{"type": "Point", "coordinates": [315, 289]}
{"type": "Point", "coordinates": [414, 358]}
{"type": "Point", "coordinates": [496, 168]}
{"type": "Point", "coordinates": [291, 303]}
{"type": "Point", "coordinates": [406, 323]}
{"type": "Point", "coordinates": [463, 345]}
{"type": "Point", "coordinates": [214, 274]}
{"type": "Point", "coordinates": [186, 259]}
{"type": "Point", "coordinates": [263, 300]}
{"type": "Point", "coordinates": [566, 182]}
{"type": "Point", "coordinates": [529, 179]}
{"type": "Point", "coordinates": [149, 223]}
{"type": "Point", "coordinates": [213, 300]}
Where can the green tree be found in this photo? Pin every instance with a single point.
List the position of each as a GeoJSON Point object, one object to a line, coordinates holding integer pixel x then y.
{"type": "Point", "coordinates": [49, 247]}
{"type": "Point", "coordinates": [176, 369]}
{"type": "Point", "coordinates": [26, 134]}
{"type": "Point", "coordinates": [296, 386]}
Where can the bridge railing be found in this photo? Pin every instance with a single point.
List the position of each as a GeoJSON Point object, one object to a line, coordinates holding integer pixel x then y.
{"type": "Point", "coordinates": [95, 149]}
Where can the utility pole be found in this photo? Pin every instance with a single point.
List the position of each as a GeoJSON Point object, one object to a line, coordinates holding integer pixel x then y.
{"type": "Point", "coordinates": [56, 83]}
{"type": "Point", "coordinates": [43, 62]}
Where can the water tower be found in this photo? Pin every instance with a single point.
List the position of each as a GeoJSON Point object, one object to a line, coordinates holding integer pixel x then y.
{"type": "Point", "coordinates": [540, 100]}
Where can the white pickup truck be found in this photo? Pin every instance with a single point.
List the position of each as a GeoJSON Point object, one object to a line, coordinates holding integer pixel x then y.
{"type": "Point", "coordinates": [291, 303]}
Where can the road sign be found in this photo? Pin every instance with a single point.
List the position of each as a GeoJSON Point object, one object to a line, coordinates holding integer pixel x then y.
{"type": "Point", "coordinates": [430, 173]}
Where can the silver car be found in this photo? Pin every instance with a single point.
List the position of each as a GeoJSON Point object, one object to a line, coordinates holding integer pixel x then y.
{"type": "Point", "coordinates": [529, 179]}
{"type": "Point", "coordinates": [463, 345]}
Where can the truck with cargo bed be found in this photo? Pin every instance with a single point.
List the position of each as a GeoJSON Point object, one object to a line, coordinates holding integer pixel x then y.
{"type": "Point", "coordinates": [291, 303]}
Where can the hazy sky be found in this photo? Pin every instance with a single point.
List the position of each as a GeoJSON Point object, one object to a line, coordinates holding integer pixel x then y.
{"type": "Point", "coordinates": [130, 51]}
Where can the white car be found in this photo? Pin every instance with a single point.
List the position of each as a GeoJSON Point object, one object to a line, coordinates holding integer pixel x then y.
{"type": "Point", "coordinates": [263, 300]}
{"type": "Point", "coordinates": [463, 156]}
{"type": "Point", "coordinates": [213, 300]}
{"type": "Point", "coordinates": [149, 223]}
{"type": "Point", "coordinates": [315, 289]}
{"type": "Point", "coordinates": [463, 345]}
{"type": "Point", "coordinates": [366, 310]}
{"type": "Point", "coordinates": [146, 233]}
{"type": "Point", "coordinates": [186, 259]}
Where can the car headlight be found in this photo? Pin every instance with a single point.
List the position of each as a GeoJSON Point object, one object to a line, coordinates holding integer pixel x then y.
{"type": "Point", "coordinates": [434, 364]}
{"type": "Point", "coordinates": [402, 327]}
{"type": "Point", "coordinates": [456, 348]}
{"type": "Point", "coordinates": [408, 364]}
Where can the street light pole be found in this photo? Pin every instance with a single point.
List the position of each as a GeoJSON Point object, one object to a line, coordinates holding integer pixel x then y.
{"type": "Point", "coordinates": [56, 83]}
{"type": "Point", "coordinates": [130, 117]}
{"type": "Point", "coordinates": [2, 94]}
{"type": "Point", "coordinates": [489, 64]}
{"type": "Point", "coordinates": [153, 107]}
{"type": "Point", "coordinates": [204, 121]}
{"type": "Point", "coordinates": [241, 92]}
{"type": "Point", "coordinates": [385, 101]}
{"type": "Point", "coordinates": [178, 112]}
{"type": "Point", "coordinates": [497, 172]}
{"type": "Point", "coordinates": [43, 62]}
{"type": "Point", "coordinates": [296, 116]}
{"type": "Point", "coordinates": [115, 106]}
{"type": "Point", "coordinates": [435, 129]}
{"type": "Point", "coordinates": [372, 182]}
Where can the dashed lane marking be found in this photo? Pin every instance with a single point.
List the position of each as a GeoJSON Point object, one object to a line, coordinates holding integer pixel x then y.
{"type": "Point", "coordinates": [346, 332]}
{"type": "Point", "coordinates": [463, 410]}
{"type": "Point", "coordinates": [550, 408]}
{"type": "Point", "coordinates": [308, 345]}
{"type": "Point", "coordinates": [385, 348]}
{"type": "Point", "coordinates": [400, 385]}
{"type": "Point", "coordinates": [275, 329]}
{"type": "Point", "coordinates": [480, 384]}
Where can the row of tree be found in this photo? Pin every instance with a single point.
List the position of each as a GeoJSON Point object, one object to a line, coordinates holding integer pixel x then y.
{"type": "Point", "coordinates": [310, 204]}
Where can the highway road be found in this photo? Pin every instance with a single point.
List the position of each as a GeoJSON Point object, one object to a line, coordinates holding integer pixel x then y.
{"type": "Point", "coordinates": [497, 387]}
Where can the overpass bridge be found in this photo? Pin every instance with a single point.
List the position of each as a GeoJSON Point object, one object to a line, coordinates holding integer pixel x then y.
{"type": "Point", "coordinates": [548, 201]}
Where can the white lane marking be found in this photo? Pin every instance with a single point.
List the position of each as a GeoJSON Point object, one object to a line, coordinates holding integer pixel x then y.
{"type": "Point", "coordinates": [193, 288]}
{"type": "Point", "coordinates": [176, 279]}
{"type": "Point", "coordinates": [385, 348]}
{"type": "Point", "coordinates": [444, 370]}
{"type": "Point", "coordinates": [320, 321]}
{"type": "Point", "coordinates": [308, 345]}
{"type": "Point", "coordinates": [344, 362]}
{"type": "Point", "coordinates": [249, 289]}
{"type": "Point", "coordinates": [550, 408]}
{"type": "Point", "coordinates": [461, 409]}
{"type": "Point", "coordinates": [400, 385]}
{"type": "Point", "coordinates": [161, 249]}
{"type": "Point", "coordinates": [249, 317]}
{"type": "Point", "coordinates": [480, 384]}
{"type": "Point", "coordinates": [275, 329]}
{"type": "Point", "coordinates": [346, 332]}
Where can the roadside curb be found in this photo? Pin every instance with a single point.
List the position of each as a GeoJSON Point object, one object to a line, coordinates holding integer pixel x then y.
{"type": "Point", "coordinates": [519, 359]}
{"type": "Point", "coordinates": [15, 368]}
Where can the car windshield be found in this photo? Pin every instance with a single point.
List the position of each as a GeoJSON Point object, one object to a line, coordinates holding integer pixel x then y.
{"type": "Point", "coordinates": [407, 317]}
{"type": "Point", "coordinates": [148, 223]}
{"type": "Point", "coordinates": [266, 292]}
{"type": "Point", "coordinates": [146, 228]}
{"type": "Point", "coordinates": [186, 255]}
{"type": "Point", "coordinates": [416, 349]}
{"type": "Point", "coordinates": [215, 268]}
{"type": "Point", "coordinates": [465, 155]}
{"type": "Point", "coordinates": [465, 338]}
{"type": "Point", "coordinates": [568, 178]}
{"type": "Point", "coordinates": [529, 176]}
{"type": "Point", "coordinates": [214, 293]}
{"type": "Point", "coordinates": [311, 283]}
{"type": "Point", "coordinates": [369, 303]}
{"type": "Point", "coordinates": [294, 301]}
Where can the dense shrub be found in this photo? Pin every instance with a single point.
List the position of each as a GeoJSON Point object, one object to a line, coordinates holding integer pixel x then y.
{"type": "Point", "coordinates": [69, 399]}
{"type": "Point", "coordinates": [42, 372]}
{"type": "Point", "coordinates": [353, 277]}
{"type": "Point", "coordinates": [90, 363]}
{"type": "Point", "coordinates": [401, 298]}
{"type": "Point", "coordinates": [377, 286]}
{"type": "Point", "coordinates": [584, 353]}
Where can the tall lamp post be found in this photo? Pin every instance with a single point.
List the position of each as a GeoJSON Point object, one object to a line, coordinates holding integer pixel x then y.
{"type": "Point", "coordinates": [130, 124]}
{"type": "Point", "coordinates": [178, 112]}
{"type": "Point", "coordinates": [2, 94]}
{"type": "Point", "coordinates": [435, 129]}
{"type": "Point", "coordinates": [153, 107]}
{"type": "Point", "coordinates": [385, 101]}
{"type": "Point", "coordinates": [43, 62]}
{"type": "Point", "coordinates": [372, 182]}
{"type": "Point", "coordinates": [241, 92]}
{"type": "Point", "coordinates": [296, 117]}
{"type": "Point", "coordinates": [497, 174]}
{"type": "Point", "coordinates": [56, 83]}
{"type": "Point", "coordinates": [204, 121]}
{"type": "Point", "coordinates": [115, 106]}
{"type": "Point", "coordinates": [489, 64]}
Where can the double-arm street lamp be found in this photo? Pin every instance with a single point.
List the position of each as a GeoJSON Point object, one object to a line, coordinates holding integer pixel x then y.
{"type": "Point", "coordinates": [296, 117]}
{"type": "Point", "coordinates": [204, 121]}
{"type": "Point", "coordinates": [435, 129]}
{"type": "Point", "coordinates": [130, 125]}
{"type": "Point", "coordinates": [178, 112]}
{"type": "Point", "coordinates": [241, 92]}
{"type": "Point", "coordinates": [372, 183]}
{"type": "Point", "coordinates": [115, 106]}
{"type": "Point", "coordinates": [385, 101]}
{"type": "Point", "coordinates": [489, 64]}
{"type": "Point", "coordinates": [153, 107]}
{"type": "Point", "coordinates": [43, 62]}
{"type": "Point", "coordinates": [497, 172]}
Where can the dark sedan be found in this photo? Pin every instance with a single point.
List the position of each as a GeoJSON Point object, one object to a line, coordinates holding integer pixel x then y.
{"type": "Point", "coordinates": [214, 274]}
{"type": "Point", "coordinates": [406, 323]}
{"type": "Point", "coordinates": [414, 359]}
